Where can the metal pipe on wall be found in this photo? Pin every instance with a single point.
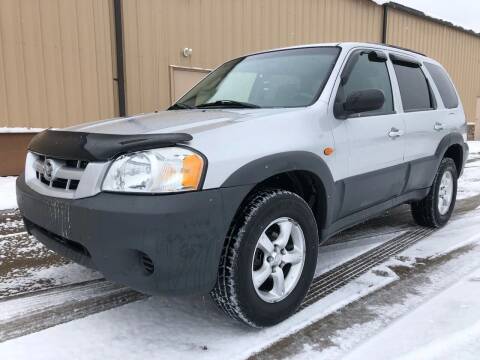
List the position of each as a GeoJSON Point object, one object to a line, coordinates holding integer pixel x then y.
{"type": "Point", "coordinates": [119, 46]}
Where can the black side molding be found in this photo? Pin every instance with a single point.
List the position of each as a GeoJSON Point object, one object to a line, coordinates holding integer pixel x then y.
{"type": "Point", "coordinates": [72, 145]}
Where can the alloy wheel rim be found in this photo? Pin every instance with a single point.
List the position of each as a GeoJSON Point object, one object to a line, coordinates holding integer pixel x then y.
{"type": "Point", "coordinates": [445, 193]}
{"type": "Point", "coordinates": [278, 260]}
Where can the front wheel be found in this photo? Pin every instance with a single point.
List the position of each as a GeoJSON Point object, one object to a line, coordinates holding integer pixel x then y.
{"type": "Point", "coordinates": [436, 209]}
{"type": "Point", "coordinates": [269, 259]}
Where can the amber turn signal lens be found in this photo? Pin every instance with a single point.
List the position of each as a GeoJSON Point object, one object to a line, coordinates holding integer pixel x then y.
{"type": "Point", "coordinates": [328, 151]}
{"type": "Point", "coordinates": [192, 172]}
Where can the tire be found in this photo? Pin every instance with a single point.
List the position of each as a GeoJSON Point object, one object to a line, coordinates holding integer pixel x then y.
{"type": "Point", "coordinates": [427, 212]}
{"type": "Point", "coordinates": [235, 292]}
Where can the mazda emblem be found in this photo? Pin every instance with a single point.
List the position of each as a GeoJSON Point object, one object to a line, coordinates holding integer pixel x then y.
{"type": "Point", "coordinates": [48, 169]}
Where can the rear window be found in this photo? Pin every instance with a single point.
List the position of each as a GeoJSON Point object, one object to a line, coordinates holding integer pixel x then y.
{"type": "Point", "coordinates": [444, 85]}
{"type": "Point", "coordinates": [414, 89]}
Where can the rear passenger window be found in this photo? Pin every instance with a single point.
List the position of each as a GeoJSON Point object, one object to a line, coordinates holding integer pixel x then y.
{"type": "Point", "coordinates": [414, 89]}
{"type": "Point", "coordinates": [444, 85]}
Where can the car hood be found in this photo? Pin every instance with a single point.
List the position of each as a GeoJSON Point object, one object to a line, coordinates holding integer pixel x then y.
{"type": "Point", "coordinates": [174, 121]}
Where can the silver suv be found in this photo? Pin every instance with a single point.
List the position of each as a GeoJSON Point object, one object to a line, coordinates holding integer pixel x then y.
{"type": "Point", "coordinates": [231, 190]}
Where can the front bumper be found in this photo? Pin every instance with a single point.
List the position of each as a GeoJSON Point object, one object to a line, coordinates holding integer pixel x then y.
{"type": "Point", "coordinates": [182, 235]}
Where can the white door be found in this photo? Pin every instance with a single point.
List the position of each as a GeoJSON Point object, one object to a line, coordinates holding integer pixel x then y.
{"type": "Point", "coordinates": [425, 126]}
{"type": "Point", "coordinates": [375, 139]}
{"type": "Point", "coordinates": [428, 120]}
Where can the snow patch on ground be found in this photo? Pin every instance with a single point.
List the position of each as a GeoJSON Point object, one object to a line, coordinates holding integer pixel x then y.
{"type": "Point", "coordinates": [445, 327]}
{"type": "Point", "coordinates": [44, 278]}
{"type": "Point", "coordinates": [461, 231]}
{"type": "Point", "coordinates": [175, 328]}
{"type": "Point", "coordinates": [427, 329]}
{"type": "Point", "coordinates": [26, 265]}
{"type": "Point", "coordinates": [469, 183]}
{"type": "Point", "coordinates": [8, 199]}
{"type": "Point", "coordinates": [474, 147]}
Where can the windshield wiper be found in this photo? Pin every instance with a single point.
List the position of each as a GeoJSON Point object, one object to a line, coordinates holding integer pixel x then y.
{"type": "Point", "coordinates": [229, 103]}
{"type": "Point", "coordinates": [178, 106]}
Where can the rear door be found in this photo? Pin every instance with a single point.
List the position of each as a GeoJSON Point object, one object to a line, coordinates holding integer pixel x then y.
{"type": "Point", "coordinates": [375, 139]}
{"type": "Point", "coordinates": [450, 112]}
{"type": "Point", "coordinates": [425, 125]}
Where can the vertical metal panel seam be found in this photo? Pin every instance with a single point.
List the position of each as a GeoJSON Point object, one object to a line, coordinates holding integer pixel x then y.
{"type": "Point", "coordinates": [49, 114]}
{"type": "Point", "coordinates": [385, 23]}
{"type": "Point", "coordinates": [119, 46]}
{"type": "Point", "coordinates": [62, 60]}
{"type": "Point", "coordinates": [107, 35]}
{"type": "Point", "coordinates": [25, 74]}
{"type": "Point", "coordinates": [4, 82]}
{"type": "Point", "coordinates": [97, 77]}
{"type": "Point", "coordinates": [82, 94]}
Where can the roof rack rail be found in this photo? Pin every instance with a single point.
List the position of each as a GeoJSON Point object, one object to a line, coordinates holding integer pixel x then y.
{"type": "Point", "coordinates": [402, 48]}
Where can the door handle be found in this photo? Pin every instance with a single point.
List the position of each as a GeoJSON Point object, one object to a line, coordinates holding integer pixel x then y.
{"type": "Point", "coordinates": [438, 126]}
{"type": "Point", "coordinates": [394, 133]}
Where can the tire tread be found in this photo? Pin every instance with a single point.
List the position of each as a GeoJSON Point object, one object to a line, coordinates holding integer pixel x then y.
{"type": "Point", "coordinates": [423, 211]}
{"type": "Point", "coordinates": [224, 292]}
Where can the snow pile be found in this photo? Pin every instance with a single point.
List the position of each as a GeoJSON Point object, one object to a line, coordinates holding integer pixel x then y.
{"type": "Point", "coordinates": [474, 147]}
{"type": "Point", "coordinates": [8, 199]}
{"type": "Point", "coordinates": [469, 183]}
{"type": "Point", "coordinates": [16, 130]}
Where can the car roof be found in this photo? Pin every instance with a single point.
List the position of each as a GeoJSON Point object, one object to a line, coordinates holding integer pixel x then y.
{"type": "Point", "coordinates": [350, 45]}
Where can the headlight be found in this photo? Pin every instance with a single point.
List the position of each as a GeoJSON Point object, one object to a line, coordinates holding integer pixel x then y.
{"type": "Point", "coordinates": [155, 171]}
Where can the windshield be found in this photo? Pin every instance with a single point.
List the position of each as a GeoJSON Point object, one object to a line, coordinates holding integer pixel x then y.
{"type": "Point", "coordinates": [284, 78]}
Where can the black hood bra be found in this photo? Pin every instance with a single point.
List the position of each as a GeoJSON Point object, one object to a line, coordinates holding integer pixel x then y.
{"type": "Point", "coordinates": [73, 145]}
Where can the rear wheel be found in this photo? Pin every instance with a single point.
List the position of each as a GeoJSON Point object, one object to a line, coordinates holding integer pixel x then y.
{"type": "Point", "coordinates": [436, 209]}
{"type": "Point", "coordinates": [269, 259]}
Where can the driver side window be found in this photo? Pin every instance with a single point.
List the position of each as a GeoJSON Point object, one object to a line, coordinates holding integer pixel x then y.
{"type": "Point", "coordinates": [365, 74]}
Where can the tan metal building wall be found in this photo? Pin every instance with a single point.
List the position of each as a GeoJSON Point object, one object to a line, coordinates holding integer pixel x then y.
{"type": "Point", "coordinates": [455, 49]}
{"type": "Point", "coordinates": [56, 62]}
{"type": "Point", "coordinates": [57, 57]}
{"type": "Point", "coordinates": [156, 31]}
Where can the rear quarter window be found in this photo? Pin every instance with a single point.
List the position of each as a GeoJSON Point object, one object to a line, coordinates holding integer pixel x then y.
{"type": "Point", "coordinates": [444, 85]}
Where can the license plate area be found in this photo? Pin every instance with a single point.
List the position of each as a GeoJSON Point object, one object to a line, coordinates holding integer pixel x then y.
{"type": "Point", "coordinates": [48, 213]}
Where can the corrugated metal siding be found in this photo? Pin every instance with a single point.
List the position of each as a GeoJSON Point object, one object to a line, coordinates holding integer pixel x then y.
{"type": "Point", "coordinates": [56, 62]}
{"type": "Point", "coordinates": [457, 51]}
{"type": "Point", "coordinates": [156, 31]}
{"type": "Point", "coordinates": [57, 56]}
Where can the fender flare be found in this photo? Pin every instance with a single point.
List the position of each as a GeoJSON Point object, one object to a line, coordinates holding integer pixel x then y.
{"type": "Point", "coordinates": [263, 168]}
{"type": "Point", "coordinates": [446, 142]}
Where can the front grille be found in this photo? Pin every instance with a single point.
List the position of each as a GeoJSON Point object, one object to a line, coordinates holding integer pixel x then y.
{"type": "Point", "coordinates": [59, 173]}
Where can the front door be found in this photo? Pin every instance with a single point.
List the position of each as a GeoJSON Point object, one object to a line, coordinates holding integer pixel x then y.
{"type": "Point", "coordinates": [375, 139]}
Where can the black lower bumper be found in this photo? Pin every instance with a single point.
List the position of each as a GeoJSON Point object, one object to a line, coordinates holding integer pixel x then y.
{"type": "Point", "coordinates": [157, 244]}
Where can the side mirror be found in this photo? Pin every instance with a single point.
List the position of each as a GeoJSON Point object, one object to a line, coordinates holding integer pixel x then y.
{"type": "Point", "coordinates": [363, 101]}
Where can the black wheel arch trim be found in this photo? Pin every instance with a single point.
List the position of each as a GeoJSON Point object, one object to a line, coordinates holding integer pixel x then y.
{"type": "Point", "coordinates": [446, 143]}
{"type": "Point", "coordinates": [266, 167]}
